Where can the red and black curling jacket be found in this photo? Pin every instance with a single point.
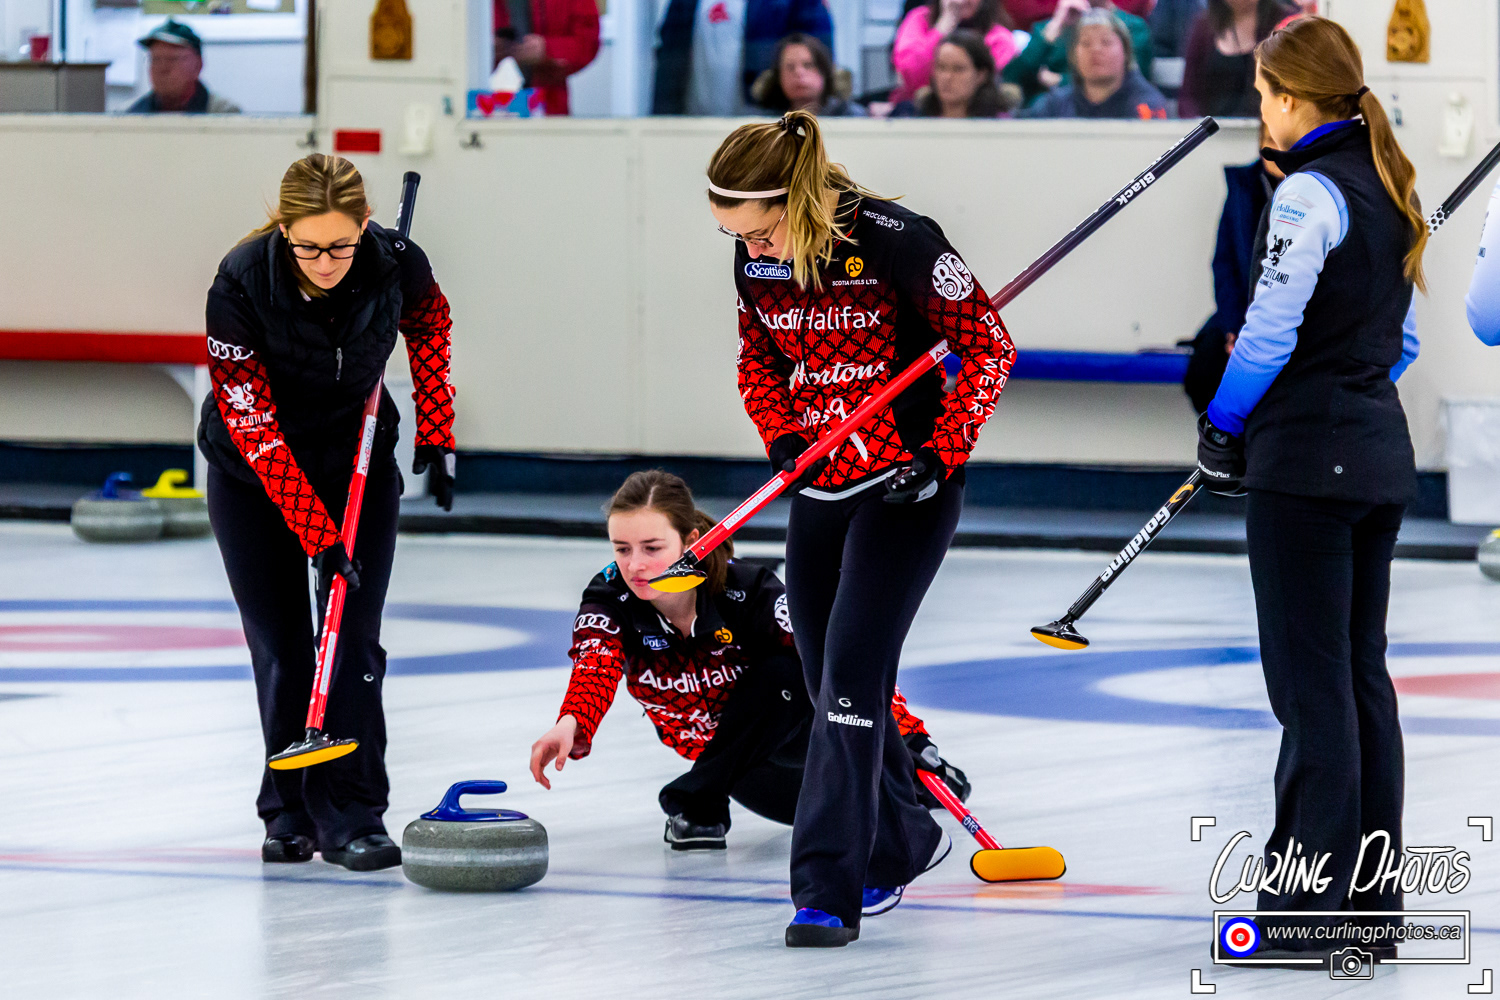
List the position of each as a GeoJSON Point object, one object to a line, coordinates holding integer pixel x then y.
{"type": "Point", "coordinates": [681, 681]}
{"type": "Point", "coordinates": [291, 374]}
{"type": "Point", "coordinates": [808, 357]}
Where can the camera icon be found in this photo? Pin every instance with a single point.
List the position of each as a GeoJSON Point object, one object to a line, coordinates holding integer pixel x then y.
{"type": "Point", "coordinates": [1350, 963]}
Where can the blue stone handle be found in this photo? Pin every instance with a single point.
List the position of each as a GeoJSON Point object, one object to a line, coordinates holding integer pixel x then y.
{"type": "Point", "coordinates": [450, 811]}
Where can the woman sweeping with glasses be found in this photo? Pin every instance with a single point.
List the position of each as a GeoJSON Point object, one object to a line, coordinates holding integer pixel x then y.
{"type": "Point", "coordinates": [838, 291]}
{"type": "Point", "coordinates": [301, 319]}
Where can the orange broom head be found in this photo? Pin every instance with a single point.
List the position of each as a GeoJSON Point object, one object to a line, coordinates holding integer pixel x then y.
{"type": "Point", "coordinates": [1060, 634]}
{"type": "Point", "coordinates": [682, 576]}
{"type": "Point", "coordinates": [1018, 864]}
{"type": "Point", "coordinates": [315, 749]}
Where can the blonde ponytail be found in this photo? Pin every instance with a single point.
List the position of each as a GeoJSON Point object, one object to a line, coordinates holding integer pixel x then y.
{"type": "Point", "coordinates": [1315, 59]}
{"type": "Point", "coordinates": [788, 153]}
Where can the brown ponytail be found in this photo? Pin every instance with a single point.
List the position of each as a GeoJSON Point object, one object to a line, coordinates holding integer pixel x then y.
{"type": "Point", "coordinates": [789, 154]}
{"type": "Point", "coordinates": [1314, 59]}
{"type": "Point", "coordinates": [669, 496]}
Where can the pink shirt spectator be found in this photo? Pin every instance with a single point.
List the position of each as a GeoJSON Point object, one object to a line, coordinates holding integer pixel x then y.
{"type": "Point", "coordinates": [917, 44]}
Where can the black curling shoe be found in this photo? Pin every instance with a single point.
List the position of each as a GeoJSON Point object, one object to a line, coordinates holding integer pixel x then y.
{"type": "Point", "coordinates": [366, 854]}
{"type": "Point", "coordinates": [287, 848]}
{"type": "Point", "coordinates": [685, 835]}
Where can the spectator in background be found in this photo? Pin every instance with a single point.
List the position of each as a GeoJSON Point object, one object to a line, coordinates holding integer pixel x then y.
{"type": "Point", "coordinates": [1219, 76]}
{"type": "Point", "coordinates": [1250, 188]}
{"type": "Point", "coordinates": [550, 40]}
{"type": "Point", "coordinates": [1043, 63]}
{"type": "Point", "coordinates": [1105, 82]}
{"type": "Point", "coordinates": [1170, 22]}
{"type": "Point", "coordinates": [712, 51]}
{"type": "Point", "coordinates": [964, 84]}
{"type": "Point", "coordinates": [927, 25]}
{"type": "Point", "coordinates": [802, 78]}
{"type": "Point", "coordinates": [176, 62]}
{"type": "Point", "coordinates": [1025, 13]}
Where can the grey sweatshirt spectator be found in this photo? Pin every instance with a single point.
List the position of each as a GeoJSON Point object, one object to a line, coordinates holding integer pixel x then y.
{"type": "Point", "coordinates": [176, 61]}
{"type": "Point", "coordinates": [1105, 82]}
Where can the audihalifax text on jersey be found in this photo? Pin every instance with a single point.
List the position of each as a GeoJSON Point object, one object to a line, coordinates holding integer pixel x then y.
{"type": "Point", "coordinates": [832, 318]}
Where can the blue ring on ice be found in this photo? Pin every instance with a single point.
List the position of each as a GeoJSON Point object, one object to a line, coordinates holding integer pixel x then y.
{"type": "Point", "coordinates": [546, 642]}
{"type": "Point", "coordinates": [1066, 686]}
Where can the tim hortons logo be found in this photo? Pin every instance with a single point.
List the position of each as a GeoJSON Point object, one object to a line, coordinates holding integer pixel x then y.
{"type": "Point", "coordinates": [601, 622]}
{"type": "Point", "coordinates": [841, 373]}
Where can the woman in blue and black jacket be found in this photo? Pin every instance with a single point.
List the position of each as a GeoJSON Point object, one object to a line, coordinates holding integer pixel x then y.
{"type": "Point", "coordinates": [1307, 419]}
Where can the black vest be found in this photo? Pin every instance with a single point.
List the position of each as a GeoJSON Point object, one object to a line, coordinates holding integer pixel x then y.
{"type": "Point", "coordinates": [1331, 425]}
{"type": "Point", "coordinates": [322, 358]}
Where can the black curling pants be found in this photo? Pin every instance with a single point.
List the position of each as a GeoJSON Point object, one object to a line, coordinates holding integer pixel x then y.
{"type": "Point", "coordinates": [340, 800]}
{"type": "Point", "coordinates": [1322, 575]}
{"type": "Point", "coordinates": [757, 751]}
{"type": "Point", "coordinates": [856, 572]}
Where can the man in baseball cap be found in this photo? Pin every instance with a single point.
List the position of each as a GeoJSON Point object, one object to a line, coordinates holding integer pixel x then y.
{"type": "Point", "coordinates": [176, 60]}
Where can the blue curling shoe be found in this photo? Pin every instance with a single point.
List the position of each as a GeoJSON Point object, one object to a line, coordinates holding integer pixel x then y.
{"type": "Point", "coordinates": [815, 929]}
{"type": "Point", "coordinates": [877, 901]}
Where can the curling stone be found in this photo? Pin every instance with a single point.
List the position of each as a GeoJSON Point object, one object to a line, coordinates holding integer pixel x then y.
{"type": "Point", "coordinates": [474, 850]}
{"type": "Point", "coordinates": [1489, 555]}
{"type": "Point", "coordinates": [185, 509]}
{"type": "Point", "coordinates": [116, 514]}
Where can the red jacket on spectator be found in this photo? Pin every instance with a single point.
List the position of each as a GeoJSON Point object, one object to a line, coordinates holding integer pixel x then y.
{"type": "Point", "coordinates": [1025, 13]}
{"type": "Point", "coordinates": [571, 31]}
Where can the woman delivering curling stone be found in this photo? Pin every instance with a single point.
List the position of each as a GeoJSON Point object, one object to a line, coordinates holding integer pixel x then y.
{"type": "Point", "coordinates": [1308, 420]}
{"type": "Point", "coordinates": [714, 668]}
{"type": "Point", "coordinates": [838, 291]}
{"type": "Point", "coordinates": [301, 318]}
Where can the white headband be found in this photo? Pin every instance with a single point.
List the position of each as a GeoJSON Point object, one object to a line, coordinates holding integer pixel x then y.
{"type": "Point", "coordinates": [747, 195]}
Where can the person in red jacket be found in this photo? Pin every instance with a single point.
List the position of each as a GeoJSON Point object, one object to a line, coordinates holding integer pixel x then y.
{"type": "Point", "coordinates": [715, 669]}
{"type": "Point", "coordinates": [550, 40]}
{"type": "Point", "coordinates": [839, 291]}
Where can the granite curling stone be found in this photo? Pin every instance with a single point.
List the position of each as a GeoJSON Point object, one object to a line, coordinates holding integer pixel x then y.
{"type": "Point", "coordinates": [474, 850]}
{"type": "Point", "coordinates": [184, 509]}
{"type": "Point", "coordinates": [116, 514]}
{"type": "Point", "coordinates": [1489, 555]}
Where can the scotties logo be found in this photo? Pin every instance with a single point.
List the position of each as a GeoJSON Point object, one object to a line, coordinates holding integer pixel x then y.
{"type": "Point", "coordinates": [771, 272]}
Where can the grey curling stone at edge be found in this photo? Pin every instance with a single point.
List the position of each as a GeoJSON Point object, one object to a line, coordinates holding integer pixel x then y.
{"type": "Point", "coordinates": [186, 517]}
{"type": "Point", "coordinates": [117, 515]}
{"type": "Point", "coordinates": [1489, 555]}
{"type": "Point", "coordinates": [480, 850]}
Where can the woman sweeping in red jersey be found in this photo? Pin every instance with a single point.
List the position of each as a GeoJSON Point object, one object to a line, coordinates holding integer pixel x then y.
{"type": "Point", "coordinates": [838, 291]}
{"type": "Point", "coordinates": [715, 669]}
{"type": "Point", "coordinates": [301, 319]}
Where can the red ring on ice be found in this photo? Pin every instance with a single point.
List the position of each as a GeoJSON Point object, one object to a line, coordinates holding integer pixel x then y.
{"type": "Point", "coordinates": [64, 637]}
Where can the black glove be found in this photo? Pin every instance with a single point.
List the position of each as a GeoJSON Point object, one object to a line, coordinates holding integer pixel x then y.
{"type": "Point", "coordinates": [925, 757]}
{"type": "Point", "coordinates": [785, 451]}
{"type": "Point", "coordinates": [333, 560]}
{"type": "Point", "coordinates": [440, 482]}
{"type": "Point", "coordinates": [1221, 459]}
{"type": "Point", "coordinates": [917, 481]}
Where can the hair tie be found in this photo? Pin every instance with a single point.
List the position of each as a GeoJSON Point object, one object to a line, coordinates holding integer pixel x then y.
{"type": "Point", "coordinates": [745, 195]}
{"type": "Point", "coordinates": [1361, 92]}
{"type": "Point", "coordinates": [787, 125]}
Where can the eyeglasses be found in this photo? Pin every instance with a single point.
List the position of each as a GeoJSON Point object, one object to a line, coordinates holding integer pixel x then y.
{"type": "Point", "coordinates": [759, 242]}
{"type": "Point", "coordinates": [311, 251]}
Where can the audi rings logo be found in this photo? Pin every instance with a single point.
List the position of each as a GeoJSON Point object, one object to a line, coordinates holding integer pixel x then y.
{"type": "Point", "coordinates": [227, 352]}
{"type": "Point", "coordinates": [951, 278]}
{"type": "Point", "coordinates": [844, 703]}
{"type": "Point", "coordinates": [601, 622]}
{"type": "Point", "coordinates": [773, 272]}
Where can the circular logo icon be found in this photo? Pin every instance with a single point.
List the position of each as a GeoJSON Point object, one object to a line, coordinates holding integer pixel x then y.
{"type": "Point", "coordinates": [724, 635]}
{"type": "Point", "coordinates": [854, 266]}
{"type": "Point", "coordinates": [951, 278]}
{"type": "Point", "coordinates": [1240, 937]}
{"type": "Point", "coordinates": [844, 702]}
